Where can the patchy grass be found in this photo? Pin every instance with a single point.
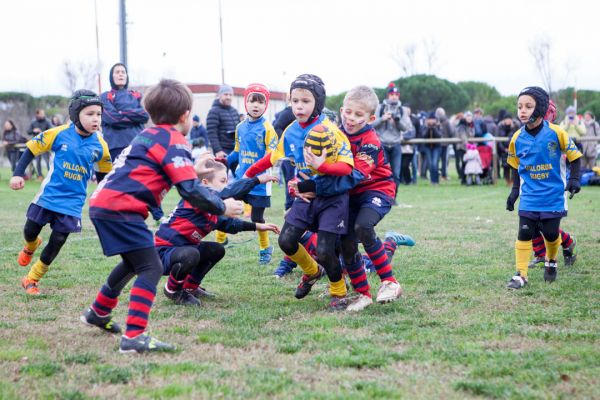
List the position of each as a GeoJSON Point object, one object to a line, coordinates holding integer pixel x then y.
{"type": "Point", "coordinates": [457, 333]}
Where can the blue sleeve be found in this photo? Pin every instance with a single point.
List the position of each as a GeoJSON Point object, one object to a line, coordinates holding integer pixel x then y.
{"type": "Point", "coordinates": [233, 157]}
{"type": "Point", "coordinates": [328, 185]}
{"type": "Point", "coordinates": [239, 189]}
{"type": "Point", "coordinates": [234, 225]}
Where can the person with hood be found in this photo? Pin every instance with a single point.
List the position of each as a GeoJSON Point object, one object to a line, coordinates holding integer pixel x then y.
{"type": "Point", "coordinates": [221, 122]}
{"type": "Point", "coordinates": [574, 126]}
{"type": "Point", "coordinates": [590, 153]}
{"type": "Point", "coordinates": [123, 116]}
{"type": "Point", "coordinates": [393, 124]}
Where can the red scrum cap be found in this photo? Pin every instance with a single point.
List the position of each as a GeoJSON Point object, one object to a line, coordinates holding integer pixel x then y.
{"type": "Point", "coordinates": [257, 88]}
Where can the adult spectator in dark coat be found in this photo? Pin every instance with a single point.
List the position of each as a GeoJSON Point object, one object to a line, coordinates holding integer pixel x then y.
{"type": "Point", "coordinates": [40, 124]}
{"type": "Point", "coordinates": [123, 116]}
{"type": "Point", "coordinates": [221, 122]}
{"type": "Point", "coordinates": [10, 138]}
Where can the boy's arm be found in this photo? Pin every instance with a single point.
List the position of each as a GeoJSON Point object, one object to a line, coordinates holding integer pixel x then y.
{"type": "Point", "coordinates": [234, 225]}
{"type": "Point", "coordinates": [240, 188]}
{"type": "Point", "coordinates": [200, 197]}
{"type": "Point", "coordinates": [24, 161]}
{"type": "Point", "coordinates": [234, 156]}
{"type": "Point", "coordinates": [514, 192]}
{"type": "Point", "coordinates": [328, 185]}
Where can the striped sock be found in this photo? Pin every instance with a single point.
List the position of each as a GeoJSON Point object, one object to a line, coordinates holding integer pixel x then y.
{"type": "Point", "coordinates": [566, 239]}
{"type": "Point", "coordinates": [191, 283]}
{"type": "Point", "coordinates": [106, 301]}
{"type": "Point", "coordinates": [358, 277]}
{"type": "Point", "coordinates": [140, 302]}
{"type": "Point", "coordinates": [539, 248]}
{"type": "Point", "coordinates": [173, 284]}
{"type": "Point", "coordinates": [380, 260]}
{"type": "Point", "coordinates": [390, 248]}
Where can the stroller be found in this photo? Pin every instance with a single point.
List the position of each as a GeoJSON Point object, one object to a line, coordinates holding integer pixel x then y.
{"type": "Point", "coordinates": [486, 155]}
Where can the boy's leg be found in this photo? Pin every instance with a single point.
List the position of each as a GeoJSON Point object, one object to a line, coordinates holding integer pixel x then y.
{"type": "Point", "coordinates": [331, 263]}
{"type": "Point", "coordinates": [550, 230]}
{"type": "Point", "coordinates": [569, 248]}
{"type": "Point", "coordinates": [289, 239]}
{"type": "Point", "coordinates": [32, 241]}
{"type": "Point", "coordinates": [354, 264]}
{"type": "Point", "coordinates": [523, 249]}
{"type": "Point", "coordinates": [210, 254]}
{"type": "Point", "coordinates": [40, 267]}
{"type": "Point", "coordinates": [181, 262]}
{"type": "Point", "coordinates": [265, 249]}
{"type": "Point", "coordinates": [539, 248]}
{"type": "Point", "coordinates": [221, 237]}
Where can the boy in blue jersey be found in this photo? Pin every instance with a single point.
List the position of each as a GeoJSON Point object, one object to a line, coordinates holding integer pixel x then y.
{"type": "Point", "coordinates": [186, 257]}
{"type": "Point", "coordinates": [75, 148]}
{"type": "Point", "coordinates": [326, 215]}
{"type": "Point", "coordinates": [535, 152]}
{"type": "Point", "coordinates": [255, 137]}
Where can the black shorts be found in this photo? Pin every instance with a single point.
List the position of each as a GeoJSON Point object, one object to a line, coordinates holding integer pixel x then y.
{"type": "Point", "coordinates": [258, 201]}
{"type": "Point", "coordinates": [328, 214]}
{"type": "Point", "coordinates": [58, 222]}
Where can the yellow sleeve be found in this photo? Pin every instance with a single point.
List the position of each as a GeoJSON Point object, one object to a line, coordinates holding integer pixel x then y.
{"type": "Point", "coordinates": [567, 145]}
{"type": "Point", "coordinates": [278, 152]}
{"type": "Point", "coordinates": [271, 140]}
{"type": "Point", "coordinates": [105, 163]}
{"type": "Point", "coordinates": [42, 143]}
{"type": "Point", "coordinates": [236, 148]}
{"type": "Point", "coordinates": [342, 147]}
{"type": "Point", "coordinates": [512, 158]}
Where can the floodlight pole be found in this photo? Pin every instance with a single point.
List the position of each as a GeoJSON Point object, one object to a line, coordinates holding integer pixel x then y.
{"type": "Point", "coordinates": [123, 31]}
{"type": "Point", "coordinates": [97, 48]}
{"type": "Point", "coordinates": [221, 38]}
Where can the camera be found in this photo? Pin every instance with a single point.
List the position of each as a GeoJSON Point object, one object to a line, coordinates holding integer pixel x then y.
{"type": "Point", "coordinates": [395, 110]}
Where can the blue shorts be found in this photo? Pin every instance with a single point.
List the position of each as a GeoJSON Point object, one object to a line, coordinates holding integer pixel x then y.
{"type": "Point", "coordinates": [58, 222]}
{"type": "Point", "coordinates": [542, 215]}
{"type": "Point", "coordinates": [258, 201]}
{"type": "Point", "coordinates": [118, 237]}
{"type": "Point", "coordinates": [328, 214]}
{"type": "Point", "coordinates": [164, 252]}
{"type": "Point", "coordinates": [377, 201]}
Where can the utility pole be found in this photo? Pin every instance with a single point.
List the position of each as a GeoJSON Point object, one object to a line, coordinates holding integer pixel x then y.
{"type": "Point", "coordinates": [221, 37]}
{"type": "Point", "coordinates": [97, 48]}
{"type": "Point", "coordinates": [123, 31]}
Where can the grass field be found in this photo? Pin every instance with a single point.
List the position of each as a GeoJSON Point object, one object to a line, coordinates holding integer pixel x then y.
{"type": "Point", "coordinates": [457, 332]}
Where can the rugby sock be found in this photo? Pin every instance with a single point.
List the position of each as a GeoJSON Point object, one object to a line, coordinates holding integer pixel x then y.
{"type": "Point", "coordinates": [338, 288]}
{"type": "Point", "coordinates": [191, 283]}
{"type": "Point", "coordinates": [140, 302]}
{"type": "Point", "coordinates": [390, 248]}
{"type": "Point", "coordinates": [220, 237]}
{"type": "Point", "coordinates": [37, 271]}
{"type": "Point", "coordinates": [263, 240]}
{"type": "Point", "coordinates": [567, 240]}
{"type": "Point", "coordinates": [376, 253]}
{"type": "Point", "coordinates": [358, 277]}
{"type": "Point", "coordinates": [305, 261]}
{"type": "Point", "coordinates": [33, 245]}
{"type": "Point", "coordinates": [247, 210]}
{"type": "Point", "coordinates": [173, 284]}
{"type": "Point", "coordinates": [539, 248]}
{"type": "Point", "coordinates": [106, 301]}
{"type": "Point", "coordinates": [552, 248]}
{"type": "Point", "coordinates": [522, 254]}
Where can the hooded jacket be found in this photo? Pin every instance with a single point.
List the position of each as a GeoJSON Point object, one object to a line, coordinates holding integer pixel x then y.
{"type": "Point", "coordinates": [123, 116]}
{"type": "Point", "coordinates": [220, 124]}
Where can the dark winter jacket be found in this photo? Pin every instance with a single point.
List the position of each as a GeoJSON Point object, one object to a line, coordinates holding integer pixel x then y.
{"type": "Point", "coordinates": [43, 124]}
{"type": "Point", "coordinates": [12, 137]}
{"type": "Point", "coordinates": [283, 119]}
{"type": "Point", "coordinates": [220, 124]}
{"type": "Point", "coordinates": [123, 117]}
{"type": "Point", "coordinates": [198, 136]}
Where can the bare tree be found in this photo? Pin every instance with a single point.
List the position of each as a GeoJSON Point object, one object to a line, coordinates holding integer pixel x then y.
{"type": "Point", "coordinates": [79, 76]}
{"type": "Point", "coordinates": [406, 58]}
{"type": "Point", "coordinates": [540, 50]}
{"type": "Point", "coordinates": [431, 54]}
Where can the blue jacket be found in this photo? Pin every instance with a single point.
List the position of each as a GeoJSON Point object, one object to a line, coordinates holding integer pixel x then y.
{"type": "Point", "coordinates": [198, 136]}
{"type": "Point", "coordinates": [220, 124]}
{"type": "Point", "coordinates": [123, 117]}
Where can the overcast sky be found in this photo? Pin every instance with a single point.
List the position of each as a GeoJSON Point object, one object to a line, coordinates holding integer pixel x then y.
{"type": "Point", "coordinates": [346, 42]}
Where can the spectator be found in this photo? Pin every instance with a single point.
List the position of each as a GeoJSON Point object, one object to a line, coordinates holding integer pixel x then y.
{"type": "Point", "coordinates": [123, 116]}
{"type": "Point", "coordinates": [574, 126]}
{"type": "Point", "coordinates": [56, 120]}
{"type": "Point", "coordinates": [447, 132]}
{"type": "Point", "coordinates": [40, 124]}
{"type": "Point", "coordinates": [590, 151]}
{"type": "Point", "coordinates": [506, 128]}
{"type": "Point", "coordinates": [432, 151]}
{"type": "Point", "coordinates": [473, 165]}
{"type": "Point", "coordinates": [221, 122]}
{"type": "Point", "coordinates": [479, 123]}
{"type": "Point", "coordinates": [393, 120]}
{"type": "Point", "coordinates": [198, 138]}
{"type": "Point", "coordinates": [464, 131]}
{"type": "Point", "coordinates": [10, 138]}
{"type": "Point", "coordinates": [414, 162]}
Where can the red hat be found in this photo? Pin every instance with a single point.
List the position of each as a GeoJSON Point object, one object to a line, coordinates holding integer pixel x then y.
{"type": "Point", "coordinates": [256, 88]}
{"type": "Point", "coordinates": [391, 88]}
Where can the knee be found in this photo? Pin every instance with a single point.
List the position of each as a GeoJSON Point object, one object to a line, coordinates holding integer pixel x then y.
{"type": "Point", "coordinates": [366, 234]}
{"type": "Point", "coordinates": [59, 238]}
{"type": "Point", "coordinates": [525, 232]}
{"type": "Point", "coordinates": [287, 245]}
{"type": "Point", "coordinates": [218, 253]}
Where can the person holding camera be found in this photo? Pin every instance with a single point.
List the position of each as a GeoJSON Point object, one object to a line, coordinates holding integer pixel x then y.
{"type": "Point", "coordinates": [574, 126]}
{"type": "Point", "coordinates": [393, 125]}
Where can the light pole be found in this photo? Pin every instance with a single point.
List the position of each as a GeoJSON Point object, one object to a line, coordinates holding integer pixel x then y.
{"type": "Point", "coordinates": [221, 38]}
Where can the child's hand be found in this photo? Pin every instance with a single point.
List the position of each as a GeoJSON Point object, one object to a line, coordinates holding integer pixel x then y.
{"type": "Point", "coordinates": [17, 183]}
{"type": "Point", "coordinates": [313, 160]}
{"type": "Point", "coordinates": [267, 227]}
{"type": "Point", "coordinates": [264, 178]}
{"type": "Point", "coordinates": [293, 187]}
{"type": "Point", "coordinates": [200, 166]}
{"type": "Point", "coordinates": [233, 208]}
{"type": "Point", "coordinates": [307, 196]}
